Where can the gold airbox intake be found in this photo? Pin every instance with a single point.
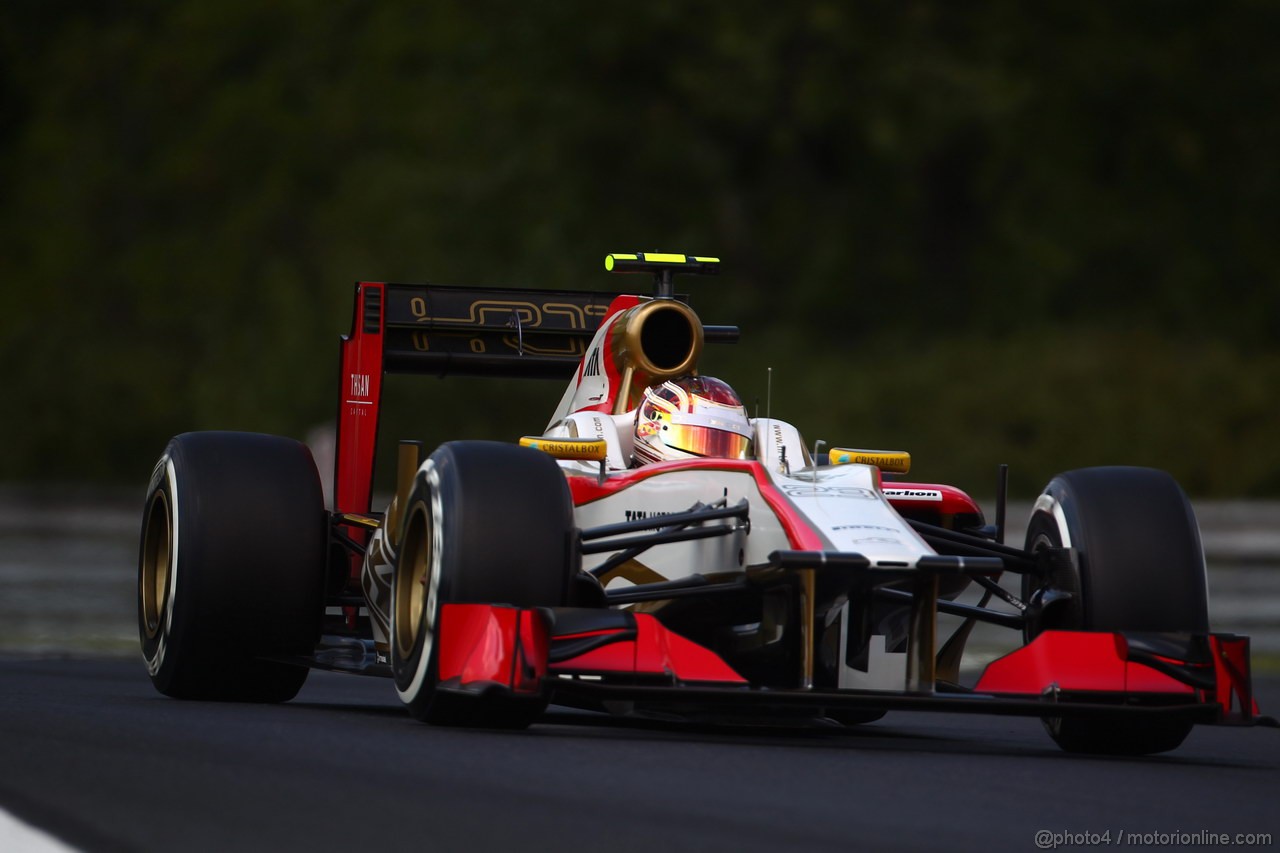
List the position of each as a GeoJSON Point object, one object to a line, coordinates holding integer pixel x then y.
{"type": "Point", "coordinates": [652, 342]}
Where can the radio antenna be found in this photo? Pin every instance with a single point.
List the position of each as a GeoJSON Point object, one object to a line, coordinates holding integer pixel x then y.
{"type": "Point", "coordinates": [768, 394]}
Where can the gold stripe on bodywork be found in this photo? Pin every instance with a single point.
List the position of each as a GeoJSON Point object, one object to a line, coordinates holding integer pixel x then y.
{"type": "Point", "coordinates": [634, 571]}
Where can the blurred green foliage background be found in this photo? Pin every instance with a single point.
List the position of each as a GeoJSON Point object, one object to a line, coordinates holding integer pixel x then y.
{"type": "Point", "coordinates": [1035, 233]}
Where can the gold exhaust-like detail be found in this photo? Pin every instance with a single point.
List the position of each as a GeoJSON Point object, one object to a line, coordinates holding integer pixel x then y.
{"type": "Point", "coordinates": [652, 342]}
{"type": "Point", "coordinates": [408, 458]}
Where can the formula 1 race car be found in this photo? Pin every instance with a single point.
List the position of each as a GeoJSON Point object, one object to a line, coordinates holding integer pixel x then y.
{"type": "Point", "coordinates": [656, 551]}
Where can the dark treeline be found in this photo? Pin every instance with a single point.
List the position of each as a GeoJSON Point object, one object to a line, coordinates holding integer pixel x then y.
{"type": "Point", "coordinates": [1035, 233]}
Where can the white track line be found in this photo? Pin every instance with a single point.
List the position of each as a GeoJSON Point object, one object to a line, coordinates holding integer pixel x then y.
{"type": "Point", "coordinates": [19, 837]}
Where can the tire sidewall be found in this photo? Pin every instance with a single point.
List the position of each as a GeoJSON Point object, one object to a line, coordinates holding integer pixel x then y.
{"type": "Point", "coordinates": [500, 522]}
{"type": "Point", "coordinates": [1049, 527]}
{"type": "Point", "coordinates": [415, 673]}
{"type": "Point", "coordinates": [162, 651]}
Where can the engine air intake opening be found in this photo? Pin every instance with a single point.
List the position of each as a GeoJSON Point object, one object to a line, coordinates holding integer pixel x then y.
{"type": "Point", "coordinates": [666, 339]}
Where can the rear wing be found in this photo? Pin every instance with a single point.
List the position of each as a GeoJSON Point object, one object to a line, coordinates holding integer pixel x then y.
{"type": "Point", "coordinates": [482, 332]}
{"type": "Point", "coordinates": [440, 330]}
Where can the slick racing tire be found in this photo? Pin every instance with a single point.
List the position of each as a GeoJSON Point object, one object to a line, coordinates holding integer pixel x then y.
{"type": "Point", "coordinates": [485, 523]}
{"type": "Point", "coordinates": [1139, 567]}
{"type": "Point", "coordinates": [231, 567]}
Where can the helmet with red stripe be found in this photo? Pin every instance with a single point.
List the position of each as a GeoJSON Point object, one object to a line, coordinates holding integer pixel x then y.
{"type": "Point", "coordinates": [692, 417]}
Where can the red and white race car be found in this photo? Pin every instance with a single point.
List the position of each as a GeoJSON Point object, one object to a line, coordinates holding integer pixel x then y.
{"type": "Point", "coordinates": [656, 550]}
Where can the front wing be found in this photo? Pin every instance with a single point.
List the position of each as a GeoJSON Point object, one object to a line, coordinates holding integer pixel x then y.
{"type": "Point", "coordinates": [594, 658]}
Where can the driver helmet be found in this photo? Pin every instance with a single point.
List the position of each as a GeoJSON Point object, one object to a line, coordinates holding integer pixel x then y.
{"type": "Point", "coordinates": [691, 417]}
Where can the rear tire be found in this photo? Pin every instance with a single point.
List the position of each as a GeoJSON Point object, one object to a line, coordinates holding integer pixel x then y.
{"type": "Point", "coordinates": [231, 567]}
{"type": "Point", "coordinates": [485, 523]}
{"type": "Point", "coordinates": [1139, 567]}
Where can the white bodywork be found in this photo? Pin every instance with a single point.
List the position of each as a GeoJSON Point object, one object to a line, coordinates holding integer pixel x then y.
{"type": "Point", "coordinates": [590, 385]}
{"type": "Point", "coordinates": [842, 504]}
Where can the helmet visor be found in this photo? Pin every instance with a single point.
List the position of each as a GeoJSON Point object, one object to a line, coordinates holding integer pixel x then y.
{"type": "Point", "coordinates": [706, 441]}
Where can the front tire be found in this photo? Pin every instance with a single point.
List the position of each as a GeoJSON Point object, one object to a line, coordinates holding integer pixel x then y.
{"type": "Point", "coordinates": [485, 523]}
{"type": "Point", "coordinates": [231, 567]}
{"type": "Point", "coordinates": [1139, 567]}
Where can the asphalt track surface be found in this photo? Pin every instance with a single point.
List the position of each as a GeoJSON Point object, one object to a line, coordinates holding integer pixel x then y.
{"type": "Point", "coordinates": [92, 754]}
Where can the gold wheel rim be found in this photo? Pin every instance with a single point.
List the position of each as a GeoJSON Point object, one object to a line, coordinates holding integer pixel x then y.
{"type": "Point", "coordinates": [156, 563]}
{"type": "Point", "coordinates": [412, 574]}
